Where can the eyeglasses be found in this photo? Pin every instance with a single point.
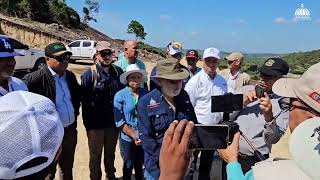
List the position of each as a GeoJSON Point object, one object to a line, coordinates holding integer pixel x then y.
{"type": "Point", "coordinates": [285, 104]}
{"type": "Point", "coordinates": [64, 57]}
{"type": "Point", "coordinates": [230, 62]}
{"type": "Point", "coordinates": [105, 53]}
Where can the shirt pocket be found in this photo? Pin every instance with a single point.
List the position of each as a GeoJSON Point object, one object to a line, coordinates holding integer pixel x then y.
{"type": "Point", "coordinates": [159, 120]}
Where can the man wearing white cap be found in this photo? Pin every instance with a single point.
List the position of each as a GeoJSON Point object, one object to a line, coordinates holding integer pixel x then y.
{"type": "Point", "coordinates": [30, 137]}
{"type": "Point", "coordinates": [234, 77]}
{"type": "Point", "coordinates": [302, 99]}
{"type": "Point", "coordinates": [200, 88]}
{"type": "Point", "coordinates": [100, 84]}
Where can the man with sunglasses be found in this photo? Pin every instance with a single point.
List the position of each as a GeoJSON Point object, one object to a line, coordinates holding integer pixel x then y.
{"type": "Point", "coordinates": [130, 49]}
{"type": "Point", "coordinates": [261, 119]}
{"type": "Point", "coordinates": [99, 86]}
{"type": "Point", "coordinates": [234, 77]}
{"type": "Point", "coordinates": [59, 85]}
{"type": "Point", "coordinates": [302, 100]}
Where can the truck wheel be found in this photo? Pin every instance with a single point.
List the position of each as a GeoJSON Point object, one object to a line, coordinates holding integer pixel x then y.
{"type": "Point", "coordinates": [40, 63]}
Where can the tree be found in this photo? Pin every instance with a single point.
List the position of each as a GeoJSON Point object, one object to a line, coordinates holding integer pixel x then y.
{"type": "Point", "coordinates": [92, 7]}
{"type": "Point", "coordinates": [136, 28]}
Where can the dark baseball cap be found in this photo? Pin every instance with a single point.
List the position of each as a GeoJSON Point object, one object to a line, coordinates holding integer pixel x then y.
{"type": "Point", "coordinates": [274, 67]}
{"type": "Point", "coordinates": [6, 49]}
{"type": "Point", "coordinates": [56, 49]}
{"type": "Point", "coordinates": [192, 54]}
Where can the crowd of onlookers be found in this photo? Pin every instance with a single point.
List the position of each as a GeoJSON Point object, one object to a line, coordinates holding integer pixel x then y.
{"type": "Point", "coordinates": [153, 124]}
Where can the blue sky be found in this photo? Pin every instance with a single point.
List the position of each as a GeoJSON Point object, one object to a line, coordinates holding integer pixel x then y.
{"type": "Point", "coordinates": [251, 26]}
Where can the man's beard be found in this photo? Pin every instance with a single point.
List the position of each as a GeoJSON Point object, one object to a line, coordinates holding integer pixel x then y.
{"type": "Point", "coordinates": [6, 74]}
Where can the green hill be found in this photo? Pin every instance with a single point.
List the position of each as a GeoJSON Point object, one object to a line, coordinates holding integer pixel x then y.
{"type": "Point", "coordinates": [300, 62]}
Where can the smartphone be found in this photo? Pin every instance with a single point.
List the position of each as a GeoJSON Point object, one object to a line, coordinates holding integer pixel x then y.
{"type": "Point", "coordinates": [259, 91]}
{"type": "Point", "coordinates": [210, 137]}
{"type": "Point", "coordinates": [227, 103]}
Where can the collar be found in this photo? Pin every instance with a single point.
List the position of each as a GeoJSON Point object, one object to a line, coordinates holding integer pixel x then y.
{"type": "Point", "coordinates": [54, 73]}
{"type": "Point", "coordinates": [235, 76]}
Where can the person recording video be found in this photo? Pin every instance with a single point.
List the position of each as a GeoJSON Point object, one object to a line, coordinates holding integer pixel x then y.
{"type": "Point", "coordinates": [261, 119]}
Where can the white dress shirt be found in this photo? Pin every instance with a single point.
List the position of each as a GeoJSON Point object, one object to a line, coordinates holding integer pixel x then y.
{"type": "Point", "coordinates": [232, 82]}
{"type": "Point", "coordinates": [200, 89]}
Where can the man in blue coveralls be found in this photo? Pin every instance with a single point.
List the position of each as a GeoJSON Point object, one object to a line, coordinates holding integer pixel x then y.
{"type": "Point", "coordinates": [159, 108]}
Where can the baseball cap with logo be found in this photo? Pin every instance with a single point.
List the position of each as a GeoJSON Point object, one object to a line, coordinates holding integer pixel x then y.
{"type": "Point", "coordinates": [306, 88]}
{"type": "Point", "coordinates": [211, 52]}
{"type": "Point", "coordinates": [56, 49]}
{"type": "Point", "coordinates": [103, 45]}
{"type": "Point", "coordinates": [304, 146]}
{"type": "Point", "coordinates": [6, 49]}
{"type": "Point", "coordinates": [234, 56]}
{"type": "Point", "coordinates": [193, 54]}
{"type": "Point", "coordinates": [31, 133]}
{"type": "Point", "coordinates": [170, 69]}
{"type": "Point", "coordinates": [174, 47]}
{"type": "Point", "coordinates": [274, 67]}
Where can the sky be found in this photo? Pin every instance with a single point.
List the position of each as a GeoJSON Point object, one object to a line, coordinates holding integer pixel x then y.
{"type": "Point", "coordinates": [250, 26]}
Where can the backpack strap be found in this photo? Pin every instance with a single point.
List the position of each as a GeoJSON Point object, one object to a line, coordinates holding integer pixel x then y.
{"type": "Point", "coordinates": [94, 76]}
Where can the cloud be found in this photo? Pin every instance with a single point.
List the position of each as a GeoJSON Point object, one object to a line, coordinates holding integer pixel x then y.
{"type": "Point", "coordinates": [195, 33]}
{"type": "Point", "coordinates": [280, 20]}
{"type": "Point", "coordinates": [235, 21]}
{"type": "Point", "coordinates": [165, 17]}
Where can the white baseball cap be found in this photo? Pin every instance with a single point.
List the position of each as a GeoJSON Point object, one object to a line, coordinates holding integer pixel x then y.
{"type": "Point", "coordinates": [211, 52]}
{"type": "Point", "coordinates": [30, 128]}
{"type": "Point", "coordinates": [304, 146]}
{"type": "Point", "coordinates": [174, 47]}
{"type": "Point", "coordinates": [132, 68]}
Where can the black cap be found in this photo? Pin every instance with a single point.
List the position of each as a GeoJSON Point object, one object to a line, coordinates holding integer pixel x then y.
{"type": "Point", "coordinates": [274, 67]}
{"type": "Point", "coordinates": [56, 49]}
{"type": "Point", "coordinates": [6, 48]}
{"type": "Point", "coordinates": [192, 54]}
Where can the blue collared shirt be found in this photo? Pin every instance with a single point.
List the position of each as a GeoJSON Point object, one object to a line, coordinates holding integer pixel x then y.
{"type": "Point", "coordinates": [63, 99]}
{"type": "Point", "coordinates": [234, 172]}
{"type": "Point", "coordinates": [155, 117]}
{"type": "Point", "coordinates": [14, 84]}
{"type": "Point", "coordinates": [125, 111]}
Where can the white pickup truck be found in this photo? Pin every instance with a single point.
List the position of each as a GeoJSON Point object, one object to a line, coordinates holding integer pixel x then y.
{"type": "Point", "coordinates": [32, 60]}
{"type": "Point", "coordinates": [82, 49]}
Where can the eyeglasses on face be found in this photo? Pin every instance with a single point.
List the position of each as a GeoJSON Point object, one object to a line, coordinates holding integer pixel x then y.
{"type": "Point", "coordinates": [286, 104]}
{"type": "Point", "coordinates": [64, 57]}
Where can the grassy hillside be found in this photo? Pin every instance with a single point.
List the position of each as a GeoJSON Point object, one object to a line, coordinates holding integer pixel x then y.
{"type": "Point", "coordinates": [300, 62]}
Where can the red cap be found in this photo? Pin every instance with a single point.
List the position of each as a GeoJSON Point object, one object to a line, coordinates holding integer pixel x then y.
{"type": "Point", "coordinates": [192, 54]}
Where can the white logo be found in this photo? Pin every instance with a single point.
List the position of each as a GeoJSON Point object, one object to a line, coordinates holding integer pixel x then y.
{"type": "Point", "coordinates": [6, 44]}
{"type": "Point", "coordinates": [302, 14]}
{"type": "Point", "coordinates": [152, 102]}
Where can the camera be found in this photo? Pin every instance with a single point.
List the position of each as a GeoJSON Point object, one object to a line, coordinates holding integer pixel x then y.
{"type": "Point", "coordinates": [206, 137]}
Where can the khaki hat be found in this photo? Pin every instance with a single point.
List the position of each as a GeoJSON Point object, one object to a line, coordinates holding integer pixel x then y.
{"type": "Point", "coordinates": [170, 69]}
{"type": "Point", "coordinates": [234, 56]}
{"type": "Point", "coordinates": [306, 88]}
{"type": "Point", "coordinates": [103, 45]}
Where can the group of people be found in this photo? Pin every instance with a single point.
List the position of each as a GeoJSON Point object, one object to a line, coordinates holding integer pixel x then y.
{"type": "Point", "coordinates": [152, 125]}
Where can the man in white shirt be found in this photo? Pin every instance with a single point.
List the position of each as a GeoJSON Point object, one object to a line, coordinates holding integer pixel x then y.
{"type": "Point", "coordinates": [200, 88]}
{"type": "Point", "coordinates": [7, 64]}
{"type": "Point", "coordinates": [234, 77]}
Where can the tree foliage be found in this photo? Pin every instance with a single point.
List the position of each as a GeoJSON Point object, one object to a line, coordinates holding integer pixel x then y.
{"type": "Point", "coordinates": [47, 11]}
{"type": "Point", "coordinates": [91, 7]}
{"type": "Point", "coordinates": [137, 29]}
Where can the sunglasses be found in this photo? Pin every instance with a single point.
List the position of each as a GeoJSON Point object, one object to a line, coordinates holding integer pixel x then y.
{"type": "Point", "coordinates": [230, 62]}
{"type": "Point", "coordinates": [64, 57]}
{"type": "Point", "coordinates": [105, 53]}
{"type": "Point", "coordinates": [285, 104]}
